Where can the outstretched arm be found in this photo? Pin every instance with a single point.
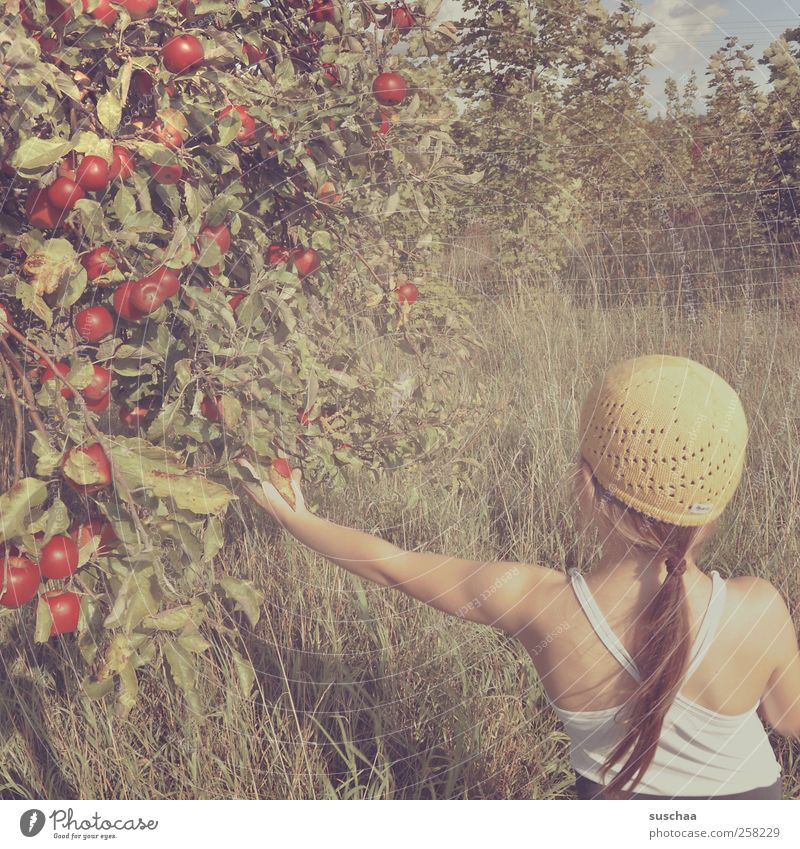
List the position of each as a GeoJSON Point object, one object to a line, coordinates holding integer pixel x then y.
{"type": "Point", "coordinates": [490, 593]}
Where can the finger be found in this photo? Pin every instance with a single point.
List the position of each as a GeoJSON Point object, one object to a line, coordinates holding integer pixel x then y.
{"type": "Point", "coordinates": [297, 474]}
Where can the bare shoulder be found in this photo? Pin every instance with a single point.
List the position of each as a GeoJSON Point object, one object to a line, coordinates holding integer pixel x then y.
{"type": "Point", "coordinates": [546, 600]}
{"type": "Point", "coordinates": [758, 597]}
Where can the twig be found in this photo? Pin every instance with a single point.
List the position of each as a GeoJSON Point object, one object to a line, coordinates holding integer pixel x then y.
{"type": "Point", "coordinates": [90, 425]}
{"type": "Point", "coordinates": [369, 268]}
{"type": "Point", "coordinates": [27, 390]}
{"type": "Point", "coordinates": [18, 436]}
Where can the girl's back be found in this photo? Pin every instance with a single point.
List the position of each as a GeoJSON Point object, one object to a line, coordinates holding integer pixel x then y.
{"type": "Point", "coordinates": [579, 673]}
{"type": "Point", "coordinates": [711, 742]}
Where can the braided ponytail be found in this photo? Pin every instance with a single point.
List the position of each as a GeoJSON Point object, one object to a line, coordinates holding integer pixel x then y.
{"type": "Point", "coordinates": [662, 638]}
{"type": "Point", "coordinates": [662, 635]}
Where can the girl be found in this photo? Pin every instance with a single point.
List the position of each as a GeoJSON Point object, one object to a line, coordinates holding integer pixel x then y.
{"type": "Point", "coordinates": [657, 670]}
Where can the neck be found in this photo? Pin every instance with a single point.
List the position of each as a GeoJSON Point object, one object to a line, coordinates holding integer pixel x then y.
{"type": "Point", "coordinates": [620, 560]}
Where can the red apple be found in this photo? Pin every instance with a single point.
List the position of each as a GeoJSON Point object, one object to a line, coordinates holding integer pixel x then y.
{"type": "Point", "coordinates": [98, 262]}
{"type": "Point", "coordinates": [182, 53]}
{"type": "Point", "coordinates": [277, 254]}
{"type": "Point", "coordinates": [92, 173]}
{"type": "Point", "coordinates": [122, 301]}
{"type": "Point", "coordinates": [407, 293]}
{"type": "Point", "coordinates": [402, 18]}
{"type": "Point", "coordinates": [103, 12]}
{"type": "Point", "coordinates": [234, 302]}
{"type": "Point", "coordinates": [147, 295]}
{"type": "Point", "coordinates": [305, 261]}
{"type": "Point", "coordinates": [63, 193]}
{"type": "Point", "coordinates": [282, 467]}
{"type": "Point", "coordinates": [99, 386]}
{"type": "Point", "coordinates": [138, 9]}
{"type": "Point", "coordinates": [41, 213]}
{"type": "Point", "coordinates": [96, 526]}
{"type": "Point", "coordinates": [63, 370]}
{"type": "Point", "coordinates": [322, 11]}
{"type": "Point", "coordinates": [389, 89]}
{"type": "Point", "coordinates": [122, 163]}
{"type": "Point", "coordinates": [99, 406]}
{"type": "Point", "coordinates": [254, 54]}
{"type": "Point", "coordinates": [220, 234]}
{"type": "Point", "coordinates": [168, 175]}
{"type": "Point", "coordinates": [331, 73]}
{"type": "Point", "coordinates": [167, 279]}
{"type": "Point", "coordinates": [58, 559]}
{"type": "Point", "coordinates": [68, 166]}
{"type": "Point", "coordinates": [210, 409]}
{"type": "Point", "coordinates": [248, 127]}
{"type": "Point", "coordinates": [94, 323]}
{"type": "Point", "coordinates": [382, 126]}
{"type": "Point", "coordinates": [65, 611]}
{"type": "Point", "coordinates": [98, 457]}
{"type": "Point", "coordinates": [136, 415]}
{"type": "Point", "coordinates": [187, 7]}
{"type": "Point", "coordinates": [166, 133]}
{"type": "Point", "coordinates": [20, 576]}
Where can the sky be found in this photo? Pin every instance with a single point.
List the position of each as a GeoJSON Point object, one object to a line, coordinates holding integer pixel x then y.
{"type": "Point", "coordinates": [687, 33]}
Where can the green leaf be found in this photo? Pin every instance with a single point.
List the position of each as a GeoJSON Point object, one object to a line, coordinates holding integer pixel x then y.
{"type": "Point", "coordinates": [177, 617]}
{"type": "Point", "coordinates": [213, 539]}
{"type": "Point", "coordinates": [80, 468]}
{"type": "Point", "coordinates": [134, 600]}
{"type": "Point", "coordinates": [128, 690]}
{"type": "Point", "coordinates": [90, 143]}
{"type": "Point", "coordinates": [392, 203]}
{"type": "Point", "coordinates": [229, 126]}
{"type": "Point", "coordinates": [245, 673]}
{"type": "Point", "coordinates": [33, 302]}
{"type": "Point", "coordinates": [194, 205]}
{"type": "Point", "coordinates": [231, 409]}
{"type": "Point", "coordinates": [17, 504]}
{"type": "Point", "coordinates": [183, 671]}
{"type": "Point", "coordinates": [322, 240]}
{"type": "Point", "coordinates": [52, 266]}
{"type": "Point", "coordinates": [47, 459]}
{"type": "Point", "coordinates": [194, 642]}
{"type": "Point", "coordinates": [124, 205]}
{"type": "Point", "coordinates": [96, 690]}
{"type": "Point", "coordinates": [34, 156]}
{"type": "Point", "coordinates": [109, 110]}
{"type": "Point", "coordinates": [246, 597]}
{"type": "Point", "coordinates": [44, 622]}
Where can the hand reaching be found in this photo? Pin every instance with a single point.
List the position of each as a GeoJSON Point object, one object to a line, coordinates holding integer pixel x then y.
{"type": "Point", "coordinates": [267, 496]}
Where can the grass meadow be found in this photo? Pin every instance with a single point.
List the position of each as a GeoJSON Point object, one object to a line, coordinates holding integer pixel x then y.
{"type": "Point", "coordinates": [363, 693]}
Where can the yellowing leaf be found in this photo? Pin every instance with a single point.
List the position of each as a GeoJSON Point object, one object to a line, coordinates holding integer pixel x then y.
{"type": "Point", "coordinates": [109, 110]}
{"type": "Point", "coordinates": [246, 597]}
{"type": "Point", "coordinates": [284, 487]}
{"type": "Point", "coordinates": [51, 267]}
{"type": "Point", "coordinates": [190, 492]}
{"type": "Point", "coordinates": [17, 504]}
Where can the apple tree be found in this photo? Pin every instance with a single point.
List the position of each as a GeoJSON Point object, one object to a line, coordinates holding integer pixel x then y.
{"type": "Point", "coordinates": [213, 254]}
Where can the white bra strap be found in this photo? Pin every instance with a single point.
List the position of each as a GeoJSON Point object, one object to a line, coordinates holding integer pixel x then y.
{"type": "Point", "coordinates": [600, 625]}
{"type": "Point", "coordinates": [709, 625]}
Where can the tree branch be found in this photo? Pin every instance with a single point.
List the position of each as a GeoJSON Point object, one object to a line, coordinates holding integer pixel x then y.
{"type": "Point", "coordinates": [119, 481]}
{"type": "Point", "coordinates": [27, 390]}
{"type": "Point", "coordinates": [20, 431]}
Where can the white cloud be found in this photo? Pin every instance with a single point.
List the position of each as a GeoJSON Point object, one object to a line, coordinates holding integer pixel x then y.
{"type": "Point", "coordinates": [683, 31]}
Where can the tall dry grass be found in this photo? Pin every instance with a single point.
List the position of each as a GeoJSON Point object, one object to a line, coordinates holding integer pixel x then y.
{"type": "Point", "coordinates": [363, 693]}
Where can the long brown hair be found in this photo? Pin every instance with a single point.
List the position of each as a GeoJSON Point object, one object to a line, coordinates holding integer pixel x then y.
{"type": "Point", "coordinates": [662, 635]}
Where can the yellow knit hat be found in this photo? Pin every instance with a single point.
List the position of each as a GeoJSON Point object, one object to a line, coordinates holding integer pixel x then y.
{"type": "Point", "coordinates": [666, 436]}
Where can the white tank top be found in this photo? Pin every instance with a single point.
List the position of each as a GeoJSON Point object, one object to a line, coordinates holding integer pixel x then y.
{"type": "Point", "coordinates": [700, 752]}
